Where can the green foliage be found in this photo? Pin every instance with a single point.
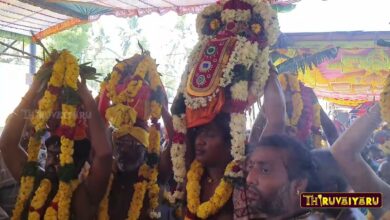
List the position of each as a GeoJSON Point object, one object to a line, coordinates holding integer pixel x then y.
{"type": "Point", "coordinates": [131, 36]}
{"type": "Point", "coordinates": [295, 64]}
{"type": "Point", "coordinates": [75, 40]}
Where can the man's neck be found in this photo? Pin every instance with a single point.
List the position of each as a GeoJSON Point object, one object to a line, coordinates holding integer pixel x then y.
{"type": "Point", "coordinates": [215, 173]}
{"type": "Point", "coordinates": [127, 177]}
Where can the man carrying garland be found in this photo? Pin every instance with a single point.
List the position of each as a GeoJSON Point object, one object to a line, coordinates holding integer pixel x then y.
{"type": "Point", "coordinates": [133, 95]}
{"type": "Point", "coordinates": [305, 117]}
{"type": "Point", "coordinates": [45, 197]}
{"type": "Point", "coordinates": [226, 73]}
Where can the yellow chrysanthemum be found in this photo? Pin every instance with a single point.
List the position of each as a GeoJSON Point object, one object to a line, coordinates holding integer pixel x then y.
{"type": "Point", "coordinates": [156, 109]}
{"type": "Point", "coordinates": [220, 197]}
{"type": "Point", "coordinates": [137, 200]}
{"type": "Point", "coordinates": [215, 24]}
{"type": "Point", "coordinates": [256, 28]}
{"type": "Point", "coordinates": [69, 115]}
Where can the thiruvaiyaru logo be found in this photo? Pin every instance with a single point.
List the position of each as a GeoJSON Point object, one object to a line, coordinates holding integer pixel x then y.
{"type": "Point", "coordinates": [336, 200]}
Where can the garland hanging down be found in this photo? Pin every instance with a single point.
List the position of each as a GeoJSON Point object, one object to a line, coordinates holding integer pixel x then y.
{"type": "Point", "coordinates": [231, 57]}
{"type": "Point", "coordinates": [63, 71]}
{"type": "Point", "coordinates": [305, 118]}
{"type": "Point", "coordinates": [122, 117]}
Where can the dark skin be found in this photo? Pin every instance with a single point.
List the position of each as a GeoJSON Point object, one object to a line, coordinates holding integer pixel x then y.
{"type": "Point", "coordinates": [330, 178]}
{"type": "Point", "coordinates": [347, 152]}
{"type": "Point", "coordinates": [271, 118]}
{"type": "Point", "coordinates": [271, 195]}
{"type": "Point", "coordinates": [213, 151]}
{"type": "Point", "coordinates": [327, 124]}
{"type": "Point", "coordinates": [129, 156]}
{"type": "Point", "coordinates": [384, 171]}
{"type": "Point", "coordinates": [88, 194]}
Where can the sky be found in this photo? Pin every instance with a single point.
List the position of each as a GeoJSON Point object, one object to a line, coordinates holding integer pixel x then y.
{"type": "Point", "coordinates": [337, 15]}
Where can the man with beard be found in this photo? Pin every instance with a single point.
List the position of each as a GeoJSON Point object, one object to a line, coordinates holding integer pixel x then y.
{"type": "Point", "coordinates": [278, 169]}
{"type": "Point", "coordinates": [87, 195]}
{"type": "Point", "coordinates": [137, 171]}
{"type": "Point", "coordinates": [331, 179]}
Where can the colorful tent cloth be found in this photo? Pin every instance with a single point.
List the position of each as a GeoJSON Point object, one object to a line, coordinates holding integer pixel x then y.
{"type": "Point", "coordinates": [44, 18]}
{"type": "Point", "coordinates": [362, 109]}
{"type": "Point", "coordinates": [356, 75]}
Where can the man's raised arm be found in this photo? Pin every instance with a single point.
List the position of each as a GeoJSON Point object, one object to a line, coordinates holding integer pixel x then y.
{"type": "Point", "coordinates": [274, 106]}
{"type": "Point", "coordinates": [346, 150]}
{"type": "Point", "coordinates": [99, 173]}
{"type": "Point", "coordinates": [14, 155]}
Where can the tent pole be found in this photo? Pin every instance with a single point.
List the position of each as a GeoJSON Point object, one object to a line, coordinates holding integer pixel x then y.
{"type": "Point", "coordinates": [33, 51]}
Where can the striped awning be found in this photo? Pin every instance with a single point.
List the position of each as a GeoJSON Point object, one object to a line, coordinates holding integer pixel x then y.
{"type": "Point", "coordinates": [18, 19]}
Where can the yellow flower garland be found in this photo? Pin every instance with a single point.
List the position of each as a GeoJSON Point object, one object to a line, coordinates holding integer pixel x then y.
{"type": "Point", "coordinates": [221, 195]}
{"type": "Point", "coordinates": [39, 199]}
{"type": "Point", "coordinates": [39, 120]}
{"type": "Point", "coordinates": [385, 101]}
{"type": "Point", "coordinates": [292, 82]}
{"type": "Point", "coordinates": [52, 212]}
{"type": "Point", "coordinates": [68, 119]}
{"type": "Point", "coordinates": [148, 174]}
{"type": "Point", "coordinates": [65, 73]}
{"type": "Point", "coordinates": [345, 102]}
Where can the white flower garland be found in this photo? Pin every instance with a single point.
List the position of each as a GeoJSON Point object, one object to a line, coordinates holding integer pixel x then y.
{"type": "Point", "coordinates": [240, 91]}
{"type": "Point", "coordinates": [229, 15]}
{"type": "Point", "coordinates": [178, 150]}
{"type": "Point", "coordinates": [271, 23]}
{"type": "Point", "coordinates": [260, 73]}
{"type": "Point", "coordinates": [237, 131]}
{"type": "Point", "coordinates": [200, 20]}
{"type": "Point", "coordinates": [245, 53]}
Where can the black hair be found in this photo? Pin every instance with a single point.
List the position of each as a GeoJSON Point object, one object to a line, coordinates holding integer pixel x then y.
{"type": "Point", "coordinates": [324, 159]}
{"type": "Point", "coordinates": [299, 162]}
{"type": "Point", "coordinates": [222, 120]}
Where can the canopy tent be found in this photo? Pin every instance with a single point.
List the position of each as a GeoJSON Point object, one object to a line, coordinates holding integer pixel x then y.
{"type": "Point", "coordinates": [43, 18]}
{"type": "Point", "coordinates": [355, 76]}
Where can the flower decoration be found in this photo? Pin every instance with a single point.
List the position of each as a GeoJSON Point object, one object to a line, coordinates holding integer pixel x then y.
{"type": "Point", "coordinates": [226, 68]}
{"type": "Point", "coordinates": [64, 74]}
{"type": "Point", "coordinates": [141, 86]}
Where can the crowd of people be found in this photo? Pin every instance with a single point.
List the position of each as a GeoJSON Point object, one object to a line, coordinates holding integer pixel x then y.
{"type": "Point", "coordinates": [113, 159]}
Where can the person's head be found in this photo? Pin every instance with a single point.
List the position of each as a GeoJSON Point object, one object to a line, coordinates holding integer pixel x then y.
{"type": "Point", "coordinates": [211, 142]}
{"type": "Point", "coordinates": [329, 176]}
{"type": "Point", "coordinates": [80, 155]}
{"type": "Point", "coordinates": [384, 170]}
{"type": "Point", "coordinates": [129, 153]}
{"type": "Point", "coordinates": [375, 153]}
{"type": "Point", "coordinates": [278, 169]}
